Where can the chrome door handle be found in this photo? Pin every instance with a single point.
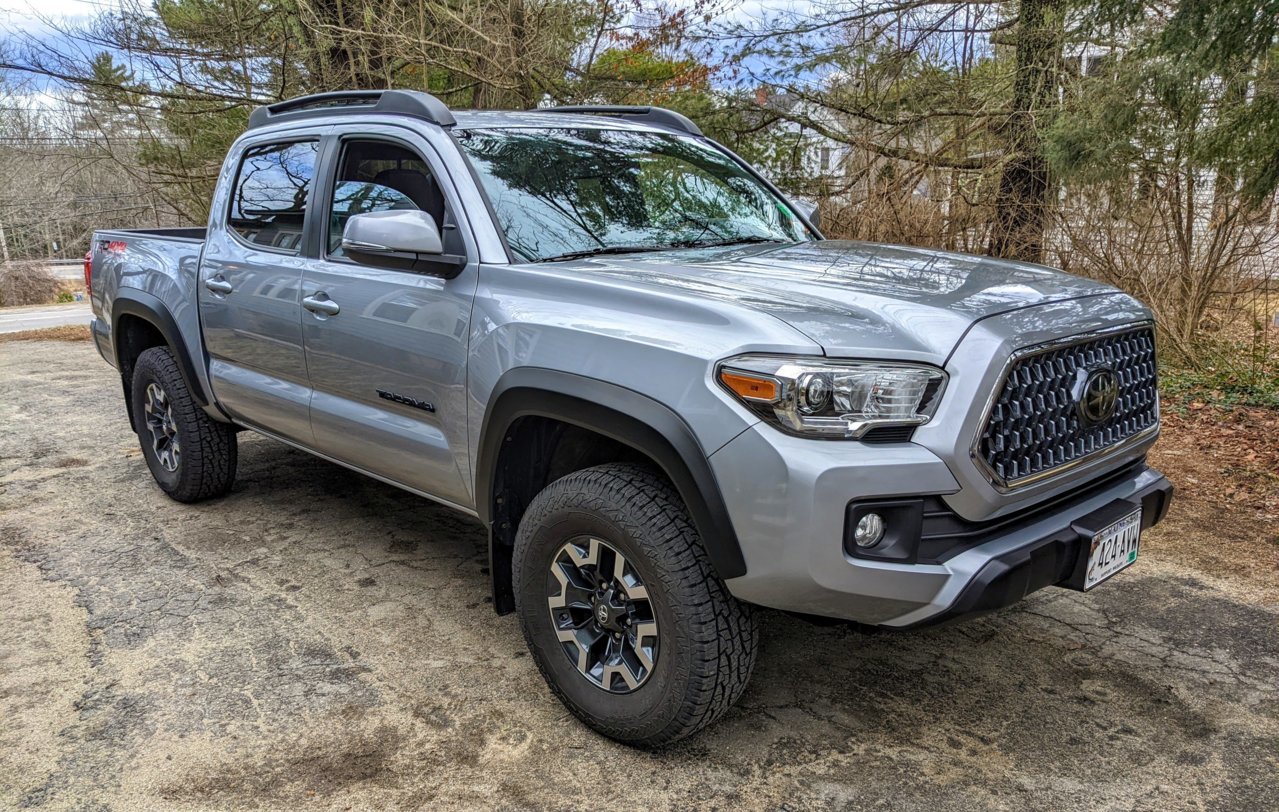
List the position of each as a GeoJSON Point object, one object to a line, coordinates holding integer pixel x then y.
{"type": "Point", "coordinates": [218, 285]}
{"type": "Point", "coordinates": [317, 305]}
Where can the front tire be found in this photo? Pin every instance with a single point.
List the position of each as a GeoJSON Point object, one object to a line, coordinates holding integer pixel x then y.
{"type": "Point", "coordinates": [191, 456]}
{"type": "Point", "coordinates": [622, 611]}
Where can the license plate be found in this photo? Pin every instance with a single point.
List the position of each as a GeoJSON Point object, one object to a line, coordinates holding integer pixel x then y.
{"type": "Point", "coordinates": [1113, 549]}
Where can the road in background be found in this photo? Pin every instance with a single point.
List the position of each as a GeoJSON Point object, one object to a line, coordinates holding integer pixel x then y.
{"type": "Point", "coordinates": [17, 319]}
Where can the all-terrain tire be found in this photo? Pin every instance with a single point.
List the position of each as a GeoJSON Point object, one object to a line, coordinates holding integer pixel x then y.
{"type": "Point", "coordinates": [707, 640]}
{"type": "Point", "coordinates": [204, 466]}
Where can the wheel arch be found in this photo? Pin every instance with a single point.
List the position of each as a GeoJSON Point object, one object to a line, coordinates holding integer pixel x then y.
{"type": "Point", "coordinates": [140, 321]}
{"type": "Point", "coordinates": [632, 420]}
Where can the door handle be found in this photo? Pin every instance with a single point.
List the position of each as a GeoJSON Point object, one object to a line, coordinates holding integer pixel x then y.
{"type": "Point", "coordinates": [218, 285]}
{"type": "Point", "coordinates": [321, 305]}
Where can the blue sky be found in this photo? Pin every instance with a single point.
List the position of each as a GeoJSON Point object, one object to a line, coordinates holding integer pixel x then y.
{"type": "Point", "coordinates": [24, 18]}
{"type": "Point", "coordinates": [27, 18]}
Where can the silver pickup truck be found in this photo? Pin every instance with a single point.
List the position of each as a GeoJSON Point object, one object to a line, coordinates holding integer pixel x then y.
{"type": "Point", "coordinates": [664, 394]}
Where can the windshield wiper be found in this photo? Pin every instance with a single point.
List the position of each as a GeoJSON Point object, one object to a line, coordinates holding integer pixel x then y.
{"type": "Point", "coordinates": [604, 249]}
{"type": "Point", "coordinates": [640, 249]}
{"type": "Point", "coordinates": [744, 240]}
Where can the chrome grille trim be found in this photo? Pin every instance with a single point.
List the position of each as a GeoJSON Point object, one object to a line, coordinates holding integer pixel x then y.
{"type": "Point", "coordinates": [1139, 385]}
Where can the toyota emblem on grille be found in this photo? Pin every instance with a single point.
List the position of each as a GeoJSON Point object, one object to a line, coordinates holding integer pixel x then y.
{"type": "Point", "coordinates": [1096, 395]}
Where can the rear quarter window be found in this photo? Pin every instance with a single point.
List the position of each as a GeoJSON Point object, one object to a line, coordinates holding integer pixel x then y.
{"type": "Point", "coordinates": [268, 205]}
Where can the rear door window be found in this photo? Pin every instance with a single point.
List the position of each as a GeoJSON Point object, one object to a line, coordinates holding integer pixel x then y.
{"type": "Point", "coordinates": [268, 206]}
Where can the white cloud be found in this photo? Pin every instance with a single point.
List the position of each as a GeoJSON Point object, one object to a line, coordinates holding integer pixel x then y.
{"type": "Point", "coordinates": [35, 101]}
{"type": "Point", "coordinates": [55, 8]}
{"type": "Point", "coordinates": [745, 12]}
{"type": "Point", "coordinates": [29, 15]}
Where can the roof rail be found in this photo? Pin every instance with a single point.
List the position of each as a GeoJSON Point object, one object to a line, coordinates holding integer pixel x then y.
{"type": "Point", "coordinates": [650, 115]}
{"type": "Point", "coordinates": [412, 103]}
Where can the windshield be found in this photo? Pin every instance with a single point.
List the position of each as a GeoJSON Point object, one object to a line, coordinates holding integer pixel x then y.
{"type": "Point", "coordinates": [560, 193]}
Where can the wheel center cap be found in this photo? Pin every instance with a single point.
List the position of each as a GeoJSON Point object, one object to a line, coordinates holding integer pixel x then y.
{"type": "Point", "coordinates": [608, 611]}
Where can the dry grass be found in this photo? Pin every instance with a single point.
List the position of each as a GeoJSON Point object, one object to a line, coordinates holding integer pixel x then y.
{"type": "Point", "coordinates": [69, 332]}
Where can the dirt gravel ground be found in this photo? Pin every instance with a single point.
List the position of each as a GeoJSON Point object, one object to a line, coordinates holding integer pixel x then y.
{"type": "Point", "coordinates": [317, 640]}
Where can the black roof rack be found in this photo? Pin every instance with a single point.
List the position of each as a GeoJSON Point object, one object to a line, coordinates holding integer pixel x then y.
{"type": "Point", "coordinates": [395, 102]}
{"type": "Point", "coordinates": [650, 115]}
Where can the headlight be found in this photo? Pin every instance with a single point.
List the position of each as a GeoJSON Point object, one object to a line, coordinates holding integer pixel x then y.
{"type": "Point", "coordinates": [833, 399]}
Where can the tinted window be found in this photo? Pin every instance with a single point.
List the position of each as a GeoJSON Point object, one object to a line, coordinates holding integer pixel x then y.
{"type": "Point", "coordinates": [376, 176]}
{"type": "Point", "coordinates": [559, 191]}
{"type": "Point", "coordinates": [269, 202]}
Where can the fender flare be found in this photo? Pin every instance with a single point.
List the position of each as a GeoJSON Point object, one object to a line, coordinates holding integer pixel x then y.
{"type": "Point", "coordinates": [623, 415]}
{"type": "Point", "coordinates": [149, 308]}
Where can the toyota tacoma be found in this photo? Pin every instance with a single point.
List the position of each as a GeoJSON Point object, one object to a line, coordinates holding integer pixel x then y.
{"type": "Point", "coordinates": [666, 396]}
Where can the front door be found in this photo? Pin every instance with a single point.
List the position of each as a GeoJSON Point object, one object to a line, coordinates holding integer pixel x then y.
{"type": "Point", "coordinates": [249, 288]}
{"type": "Point", "coordinates": [386, 348]}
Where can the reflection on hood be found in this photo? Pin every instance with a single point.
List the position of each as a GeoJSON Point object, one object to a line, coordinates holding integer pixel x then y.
{"type": "Point", "coordinates": [843, 294]}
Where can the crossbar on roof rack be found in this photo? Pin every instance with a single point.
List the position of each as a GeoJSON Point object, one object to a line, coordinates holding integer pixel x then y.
{"type": "Point", "coordinates": [649, 115]}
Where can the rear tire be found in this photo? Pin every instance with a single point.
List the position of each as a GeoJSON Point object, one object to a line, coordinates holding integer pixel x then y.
{"type": "Point", "coordinates": [191, 456]}
{"type": "Point", "coordinates": [675, 649]}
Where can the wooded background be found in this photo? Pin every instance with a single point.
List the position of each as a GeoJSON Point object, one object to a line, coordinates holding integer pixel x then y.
{"type": "Point", "coordinates": [1134, 142]}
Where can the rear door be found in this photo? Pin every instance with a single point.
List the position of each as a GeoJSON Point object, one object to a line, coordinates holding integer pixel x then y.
{"type": "Point", "coordinates": [250, 284]}
{"type": "Point", "coordinates": [386, 351]}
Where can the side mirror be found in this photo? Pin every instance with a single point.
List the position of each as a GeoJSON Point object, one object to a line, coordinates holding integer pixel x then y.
{"type": "Point", "coordinates": [808, 210]}
{"type": "Point", "coordinates": [404, 239]}
{"type": "Point", "coordinates": [406, 231]}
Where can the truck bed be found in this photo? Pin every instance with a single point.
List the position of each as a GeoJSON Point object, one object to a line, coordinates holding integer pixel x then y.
{"type": "Point", "coordinates": [157, 271]}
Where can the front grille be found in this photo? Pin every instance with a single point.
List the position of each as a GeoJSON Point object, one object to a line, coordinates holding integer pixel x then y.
{"type": "Point", "coordinates": [1035, 426]}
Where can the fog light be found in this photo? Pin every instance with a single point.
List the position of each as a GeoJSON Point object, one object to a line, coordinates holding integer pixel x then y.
{"type": "Point", "coordinates": [870, 530]}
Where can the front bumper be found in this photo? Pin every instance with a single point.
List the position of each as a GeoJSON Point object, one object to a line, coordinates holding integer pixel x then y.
{"type": "Point", "coordinates": [788, 498]}
{"type": "Point", "coordinates": [1051, 560]}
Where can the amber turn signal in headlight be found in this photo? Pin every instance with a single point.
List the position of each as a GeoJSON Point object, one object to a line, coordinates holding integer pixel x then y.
{"type": "Point", "coordinates": [750, 387]}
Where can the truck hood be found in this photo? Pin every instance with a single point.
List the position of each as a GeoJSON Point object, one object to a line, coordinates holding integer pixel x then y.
{"type": "Point", "coordinates": [851, 297]}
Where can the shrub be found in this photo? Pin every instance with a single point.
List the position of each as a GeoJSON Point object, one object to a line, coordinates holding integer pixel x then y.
{"type": "Point", "coordinates": [27, 283]}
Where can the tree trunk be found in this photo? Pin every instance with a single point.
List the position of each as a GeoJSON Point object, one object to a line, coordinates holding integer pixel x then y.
{"type": "Point", "coordinates": [519, 42]}
{"type": "Point", "coordinates": [1023, 200]}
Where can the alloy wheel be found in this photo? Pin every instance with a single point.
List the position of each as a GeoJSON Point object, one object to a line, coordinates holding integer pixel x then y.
{"type": "Point", "coordinates": [602, 614]}
{"type": "Point", "coordinates": [164, 433]}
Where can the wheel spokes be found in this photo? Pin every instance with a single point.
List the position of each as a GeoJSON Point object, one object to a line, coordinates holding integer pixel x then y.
{"type": "Point", "coordinates": [602, 614]}
{"type": "Point", "coordinates": [158, 415]}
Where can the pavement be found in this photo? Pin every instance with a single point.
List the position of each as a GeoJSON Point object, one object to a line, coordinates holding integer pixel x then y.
{"type": "Point", "coordinates": [36, 317]}
{"type": "Point", "coordinates": [72, 270]}
{"type": "Point", "coordinates": [319, 640]}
